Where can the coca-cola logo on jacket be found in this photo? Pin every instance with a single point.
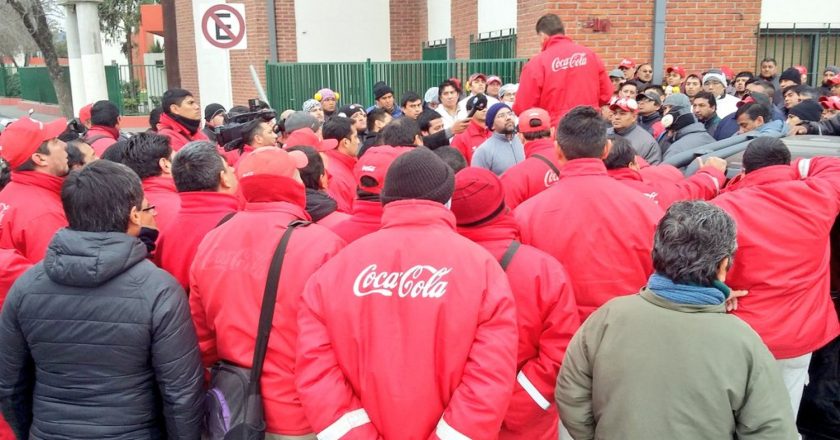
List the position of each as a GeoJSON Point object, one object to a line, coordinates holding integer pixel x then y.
{"type": "Point", "coordinates": [418, 281]}
{"type": "Point", "coordinates": [576, 59]}
{"type": "Point", "coordinates": [550, 178]}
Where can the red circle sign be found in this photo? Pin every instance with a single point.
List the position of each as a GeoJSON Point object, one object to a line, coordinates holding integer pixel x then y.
{"type": "Point", "coordinates": [210, 16]}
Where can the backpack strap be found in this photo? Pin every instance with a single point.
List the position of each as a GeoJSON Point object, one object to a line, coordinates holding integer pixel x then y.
{"type": "Point", "coordinates": [547, 162]}
{"type": "Point", "coordinates": [224, 219]}
{"type": "Point", "coordinates": [91, 140]}
{"type": "Point", "coordinates": [267, 308]}
{"type": "Point", "coordinates": [509, 253]}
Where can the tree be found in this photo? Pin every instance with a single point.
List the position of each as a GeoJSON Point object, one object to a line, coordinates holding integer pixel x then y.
{"type": "Point", "coordinates": [14, 38]}
{"type": "Point", "coordinates": [33, 15]}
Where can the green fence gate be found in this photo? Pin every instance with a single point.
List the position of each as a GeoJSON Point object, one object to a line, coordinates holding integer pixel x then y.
{"type": "Point", "coordinates": [36, 84]}
{"type": "Point", "coordinates": [3, 80]}
{"type": "Point", "coordinates": [495, 44]}
{"type": "Point", "coordinates": [290, 84]}
{"type": "Point", "coordinates": [814, 46]}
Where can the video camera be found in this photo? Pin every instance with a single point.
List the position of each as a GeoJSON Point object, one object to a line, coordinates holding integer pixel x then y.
{"type": "Point", "coordinates": [231, 135]}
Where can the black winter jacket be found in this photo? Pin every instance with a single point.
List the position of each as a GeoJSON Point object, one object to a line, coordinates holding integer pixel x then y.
{"type": "Point", "coordinates": [112, 342]}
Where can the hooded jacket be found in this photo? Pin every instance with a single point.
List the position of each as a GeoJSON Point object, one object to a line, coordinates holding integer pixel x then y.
{"type": "Point", "coordinates": [178, 134]}
{"type": "Point", "coordinates": [652, 123]}
{"type": "Point", "coordinates": [830, 127]}
{"type": "Point", "coordinates": [111, 339]}
{"type": "Point", "coordinates": [564, 75]}
{"type": "Point", "coordinates": [789, 304]}
{"type": "Point", "coordinates": [547, 317]}
{"type": "Point", "coordinates": [200, 212]}
{"type": "Point", "coordinates": [227, 281]}
{"type": "Point", "coordinates": [161, 192]}
{"type": "Point", "coordinates": [408, 342]}
{"type": "Point", "coordinates": [498, 153]}
{"type": "Point", "coordinates": [705, 184]}
{"type": "Point", "coordinates": [342, 186]}
{"type": "Point", "coordinates": [533, 175]}
{"type": "Point", "coordinates": [103, 137]}
{"type": "Point", "coordinates": [606, 237]}
{"type": "Point", "coordinates": [30, 213]}
{"type": "Point", "coordinates": [468, 141]}
{"type": "Point", "coordinates": [366, 218]}
{"type": "Point", "coordinates": [691, 136]}
{"type": "Point", "coordinates": [643, 142]}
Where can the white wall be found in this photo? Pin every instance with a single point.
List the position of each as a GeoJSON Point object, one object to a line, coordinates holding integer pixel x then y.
{"type": "Point", "coordinates": [439, 19]}
{"type": "Point", "coordinates": [111, 52]}
{"type": "Point", "coordinates": [343, 30]}
{"type": "Point", "coordinates": [781, 13]}
{"type": "Point", "coordinates": [496, 14]}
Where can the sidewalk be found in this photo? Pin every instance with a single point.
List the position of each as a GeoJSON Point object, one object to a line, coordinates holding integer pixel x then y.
{"type": "Point", "coordinates": [13, 112]}
{"type": "Point", "coordinates": [15, 108]}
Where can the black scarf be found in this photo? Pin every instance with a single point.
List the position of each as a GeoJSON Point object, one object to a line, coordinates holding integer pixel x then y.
{"type": "Point", "coordinates": [192, 125]}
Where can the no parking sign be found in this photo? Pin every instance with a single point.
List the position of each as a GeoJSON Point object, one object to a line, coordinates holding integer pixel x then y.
{"type": "Point", "coordinates": [223, 26]}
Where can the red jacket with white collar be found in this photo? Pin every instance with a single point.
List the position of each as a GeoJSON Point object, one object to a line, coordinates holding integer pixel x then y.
{"type": "Point", "coordinates": [200, 213]}
{"type": "Point", "coordinates": [600, 229]}
{"type": "Point", "coordinates": [468, 141]}
{"type": "Point", "coordinates": [366, 218]}
{"type": "Point", "coordinates": [178, 134]}
{"type": "Point", "coordinates": [161, 192]}
{"type": "Point", "coordinates": [524, 180]}
{"type": "Point", "coordinates": [342, 185]}
{"type": "Point", "coordinates": [227, 281]}
{"type": "Point", "coordinates": [547, 317]}
{"type": "Point", "coordinates": [415, 340]}
{"type": "Point", "coordinates": [31, 213]}
{"type": "Point", "coordinates": [703, 185]}
{"type": "Point", "coordinates": [561, 77]}
{"type": "Point", "coordinates": [784, 216]}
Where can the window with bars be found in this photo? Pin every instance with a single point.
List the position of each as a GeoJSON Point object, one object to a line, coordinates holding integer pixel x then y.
{"type": "Point", "coordinates": [493, 45]}
{"type": "Point", "coordinates": [814, 46]}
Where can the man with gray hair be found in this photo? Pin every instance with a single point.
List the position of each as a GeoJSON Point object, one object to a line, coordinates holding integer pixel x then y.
{"type": "Point", "coordinates": [669, 362]}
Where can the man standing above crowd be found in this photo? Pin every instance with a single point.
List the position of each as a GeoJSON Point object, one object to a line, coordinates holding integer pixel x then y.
{"type": "Point", "coordinates": [181, 118]}
{"type": "Point", "coordinates": [562, 76]}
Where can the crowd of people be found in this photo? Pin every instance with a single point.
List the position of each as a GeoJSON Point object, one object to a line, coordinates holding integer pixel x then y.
{"type": "Point", "coordinates": [508, 261]}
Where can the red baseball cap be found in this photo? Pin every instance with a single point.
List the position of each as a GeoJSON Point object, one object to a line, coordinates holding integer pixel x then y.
{"type": "Point", "coordinates": [475, 76]}
{"type": "Point", "coordinates": [374, 165]}
{"type": "Point", "coordinates": [271, 161]}
{"type": "Point", "coordinates": [494, 79]}
{"type": "Point", "coordinates": [626, 104]}
{"type": "Point", "coordinates": [833, 81]}
{"type": "Point", "coordinates": [22, 138]}
{"type": "Point", "coordinates": [307, 137]}
{"type": "Point", "coordinates": [727, 72]}
{"type": "Point", "coordinates": [534, 119]}
{"type": "Point", "coordinates": [678, 69]}
{"type": "Point", "coordinates": [627, 63]}
{"type": "Point", "coordinates": [84, 113]}
{"type": "Point", "coordinates": [478, 197]}
{"type": "Point", "coordinates": [802, 69]}
{"type": "Point", "coordinates": [830, 102]}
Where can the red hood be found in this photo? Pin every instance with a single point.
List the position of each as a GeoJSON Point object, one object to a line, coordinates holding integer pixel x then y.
{"type": "Point", "coordinates": [583, 167]}
{"type": "Point", "coordinates": [417, 213]}
{"type": "Point", "coordinates": [555, 39]}
{"type": "Point", "coordinates": [503, 227]}
{"type": "Point", "coordinates": [41, 180]}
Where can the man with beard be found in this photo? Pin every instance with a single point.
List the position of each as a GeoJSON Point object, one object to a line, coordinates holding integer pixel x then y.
{"type": "Point", "coordinates": [181, 118]}
{"type": "Point", "coordinates": [502, 149]}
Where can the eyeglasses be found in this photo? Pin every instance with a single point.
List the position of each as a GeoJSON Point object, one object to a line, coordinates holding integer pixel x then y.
{"type": "Point", "coordinates": [150, 209]}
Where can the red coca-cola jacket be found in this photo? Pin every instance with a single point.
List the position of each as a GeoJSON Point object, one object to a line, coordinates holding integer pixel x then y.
{"type": "Point", "coordinates": [178, 243]}
{"type": "Point", "coordinates": [703, 185]}
{"type": "Point", "coordinates": [366, 218]}
{"type": "Point", "coordinates": [468, 141]}
{"type": "Point", "coordinates": [31, 213]}
{"type": "Point", "coordinates": [530, 177]}
{"type": "Point", "coordinates": [160, 191]}
{"type": "Point", "coordinates": [784, 216]}
{"type": "Point", "coordinates": [102, 137]}
{"type": "Point", "coordinates": [561, 77]}
{"type": "Point", "coordinates": [342, 185]}
{"type": "Point", "coordinates": [227, 281]}
{"type": "Point", "coordinates": [600, 229]}
{"type": "Point", "coordinates": [408, 333]}
{"type": "Point", "coordinates": [178, 134]}
{"type": "Point", "coordinates": [547, 317]}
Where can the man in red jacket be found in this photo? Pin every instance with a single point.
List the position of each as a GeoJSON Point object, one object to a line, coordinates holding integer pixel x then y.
{"type": "Point", "coordinates": [367, 208]}
{"type": "Point", "coordinates": [702, 185]}
{"type": "Point", "coordinates": [181, 118]}
{"type": "Point", "coordinates": [477, 132]}
{"type": "Point", "coordinates": [545, 304]}
{"type": "Point", "coordinates": [150, 156]}
{"type": "Point", "coordinates": [105, 126]}
{"type": "Point", "coordinates": [30, 205]}
{"type": "Point", "coordinates": [228, 278]}
{"type": "Point", "coordinates": [562, 76]}
{"type": "Point", "coordinates": [409, 332]}
{"type": "Point", "coordinates": [540, 168]}
{"type": "Point", "coordinates": [599, 229]}
{"type": "Point", "coordinates": [207, 186]}
{"type": "Point", "coordinates": [341, 160]}
{"type": "Point", "coordinates": [784, 216]}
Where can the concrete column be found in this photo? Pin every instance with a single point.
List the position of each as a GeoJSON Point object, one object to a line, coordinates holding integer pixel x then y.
{"type": "Point", "coordinates": [90, 45]}
{"type": "Point", "coordinates": [77, 85]}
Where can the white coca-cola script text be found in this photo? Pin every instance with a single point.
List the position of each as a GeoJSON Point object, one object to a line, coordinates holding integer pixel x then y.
{"type": "Point", "coordinates": [418, 281]}
{"type": "Point", "coordinates": [576, 59]}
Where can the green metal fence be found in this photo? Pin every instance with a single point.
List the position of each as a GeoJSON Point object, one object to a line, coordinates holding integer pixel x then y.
{"type": "Point", "coordinates": [496, 44]}
{"type": "Point", "coordinates": [36, 85]}
{"type": "Point", "coordinates": [812, 46]}
{"type": "Point", "coordinates": [437, 50]}
{"type": "Point", "coordinates": [3, 80]}
{"type": "Point", "coordinates": [112, 80]}
{"type": "Point", "coordinates": [289, 84]}
{"type": "Point", "coordinates": [139, 87]}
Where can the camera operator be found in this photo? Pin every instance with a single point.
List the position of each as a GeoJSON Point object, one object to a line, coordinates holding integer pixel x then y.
{"type": "Point", "coordinates": [247, 131]}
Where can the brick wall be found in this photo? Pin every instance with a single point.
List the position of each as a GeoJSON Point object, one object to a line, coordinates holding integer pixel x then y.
{"type": "Point", "coordinates": [186, 47]}
{"type": "Point", "coordinates": [699, 34]}
{"type": "Point", "coordinates": [286, 31]}
{"type": "Point", "coordinates": [464, 23]}
{"type": "Point", "coordinates": [408, 29]}
{"type": "Point", "coordinates": [256, 25]}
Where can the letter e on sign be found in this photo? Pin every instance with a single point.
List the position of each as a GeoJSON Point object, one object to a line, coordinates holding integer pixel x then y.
{"type": "Point", "coordinates": [223, 26]}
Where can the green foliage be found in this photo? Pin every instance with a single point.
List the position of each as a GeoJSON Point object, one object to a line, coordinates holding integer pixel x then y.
{"type": "Point", "coordinates": [13, 85]}
{"type": "Point", "coordinates": [156, 48]}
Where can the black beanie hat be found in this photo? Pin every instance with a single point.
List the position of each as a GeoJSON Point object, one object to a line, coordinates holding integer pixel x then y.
{"type": "Point", "coordinates": [212, 110]}
{"type": "Point", "coordinates": [791, 74]}
{"type": "Point", "coordinates": [418, 174]}
{"type": "Point", "coordinates": [381, 89]}
{"type": "Point", "coordinates": [807, 110]}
